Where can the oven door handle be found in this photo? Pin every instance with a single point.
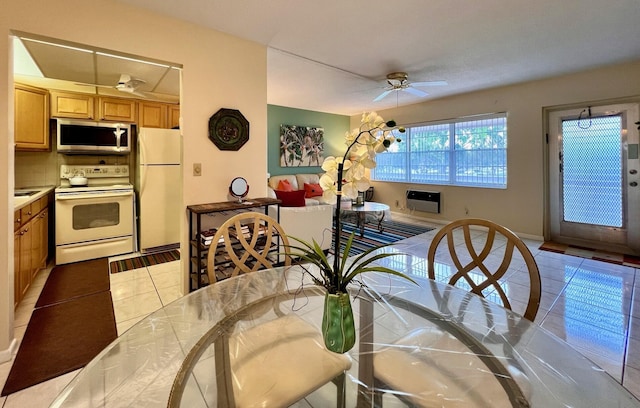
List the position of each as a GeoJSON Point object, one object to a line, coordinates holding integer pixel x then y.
{"type": "Point", "coordinates": [100, 196]}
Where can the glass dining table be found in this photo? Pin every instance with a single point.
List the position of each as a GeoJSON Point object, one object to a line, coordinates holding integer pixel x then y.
{"type": "Point", "coordinates": [429, 345]}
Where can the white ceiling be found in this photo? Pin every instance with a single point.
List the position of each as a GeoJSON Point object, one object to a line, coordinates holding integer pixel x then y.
{"type": "Point", "coordinates": [333, 55]}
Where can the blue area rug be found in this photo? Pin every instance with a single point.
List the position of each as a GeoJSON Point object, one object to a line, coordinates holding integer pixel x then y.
{"type": "Point", "coordinates": [392, 231]}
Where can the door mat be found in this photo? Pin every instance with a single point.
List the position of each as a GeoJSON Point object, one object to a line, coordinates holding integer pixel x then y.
{"type": "Point", "coordinates": [589, 253]}
{"type": "Point", "coordinates": [74, 280]}
{"type": "Point", "coordinates": [392, 231]}
{"type": "Point", "coordinates": [62, 338]}
{"type": "Point", "coordinates": [143, 261]}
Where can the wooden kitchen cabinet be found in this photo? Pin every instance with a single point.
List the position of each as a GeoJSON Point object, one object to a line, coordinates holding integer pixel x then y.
{"type": "Point", "coordinates": [72, 105]}
{"type": "Point", "coordinates": [174, 117]}
{"type": "Point", "coordinates": [31, 124]}
{"type": "Point", "coordinates": [117, 109]}
{"type": "Point", "coordinates": [39, 242]}
{"type": "Point", "coordinates": [152, 114]}
{"type": "Point", "coordinates": [31, 245]}
{"type": "Point", "coordinates": [22, 261]}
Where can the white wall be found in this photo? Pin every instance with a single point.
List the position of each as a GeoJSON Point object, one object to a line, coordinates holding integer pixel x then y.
{"type": "Point", "coordinates": [220, 71]}
{"type": "Point", "coordinates": [521, 205]}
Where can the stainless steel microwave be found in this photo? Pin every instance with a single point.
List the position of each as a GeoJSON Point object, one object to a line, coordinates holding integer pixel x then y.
{"type": "Point", "coordinates": [86, 137]}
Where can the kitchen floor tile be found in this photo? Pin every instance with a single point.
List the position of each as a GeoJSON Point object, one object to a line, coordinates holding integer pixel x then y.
{"type": "Point", "coordinates": [39, 395]}
{"type": "Point", "coordinates": [127, 276]}
{"type": "Point", "coordinates": [169, 294]}
{"type": "Point", "coordinates": [166, 278]}
{"type": "Point", "coordinates": [132, 307]}
{"type": "Point", "coordinates": [134, 287]}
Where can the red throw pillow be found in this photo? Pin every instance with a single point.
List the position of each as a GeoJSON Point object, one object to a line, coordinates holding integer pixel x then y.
{"type": "Point", "coordinates": [312, 190]}
{"type": "Point", "coordinates": [284, 185]}
{"type": "Point", "coordinates": [293, 198]}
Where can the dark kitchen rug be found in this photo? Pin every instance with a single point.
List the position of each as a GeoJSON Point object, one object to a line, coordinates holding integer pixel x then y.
{"type": "Point", "coordinates": [73, 280]}
{"type": "Point", "coordinates": [143, 261]}
{"type": "Point", "coordinates": [392, 231]}
{"type": "Point", "coordinates": [589, 253]}
{"type": "Point", "coordinates": [62, 338]}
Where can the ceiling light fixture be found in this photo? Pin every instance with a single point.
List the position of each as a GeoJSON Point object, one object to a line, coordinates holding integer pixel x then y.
{"type": "Point", "coordinates": [104, 54]}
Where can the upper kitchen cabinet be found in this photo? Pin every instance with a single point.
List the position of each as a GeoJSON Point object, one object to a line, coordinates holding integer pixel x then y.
{"type": "Point", "coordinates": [72, 105]}
{"type": "Point", "coordinates": [117, 109]}
{"type": "Point", "coordinates": [174, 116]}
{"type": "Point", "coordinates": [31, 118]}
{"type": "Point", "coordinates": [152, 114]}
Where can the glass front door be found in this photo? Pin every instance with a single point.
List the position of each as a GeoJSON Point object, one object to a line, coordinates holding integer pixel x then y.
{"type": "Point", "coordinates": [593, 192]}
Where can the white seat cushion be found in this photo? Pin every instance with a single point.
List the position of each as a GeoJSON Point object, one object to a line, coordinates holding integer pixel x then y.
{"type": "Point", "coordinates": [434, 369]}
{"type": "Point", "coordinates": [265, 375]}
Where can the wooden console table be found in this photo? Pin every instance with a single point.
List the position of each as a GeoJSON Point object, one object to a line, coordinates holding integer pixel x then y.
{"type": "Point", "coordinates": [197, 249]}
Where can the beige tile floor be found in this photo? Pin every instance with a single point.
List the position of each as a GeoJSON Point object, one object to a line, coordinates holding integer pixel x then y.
{"type": "Point", "coordinates": [135, 294]}
{"type": "Point", "coordinates": [593, 305]}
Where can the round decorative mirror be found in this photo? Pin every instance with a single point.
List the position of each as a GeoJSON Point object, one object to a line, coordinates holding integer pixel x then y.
{"type": "Point", "coordinates": [239, 188]}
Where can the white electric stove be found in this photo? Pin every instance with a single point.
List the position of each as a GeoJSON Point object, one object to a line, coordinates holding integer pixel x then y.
{"type": "Point", "coordinates": [96, 220]}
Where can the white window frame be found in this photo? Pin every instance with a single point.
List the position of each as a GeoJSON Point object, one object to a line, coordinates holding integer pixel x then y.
{"type": "Point", "coordinates": [489, 177]}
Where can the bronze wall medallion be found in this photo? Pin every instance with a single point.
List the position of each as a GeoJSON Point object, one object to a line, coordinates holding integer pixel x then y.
{"type": "Point", "coordinates": [228, 129]}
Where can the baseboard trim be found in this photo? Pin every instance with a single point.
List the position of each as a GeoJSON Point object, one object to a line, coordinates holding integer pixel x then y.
{"type": "Point", "coordinates": [7, 355]}
{"type": "Point", "coordinates": [444, 222]}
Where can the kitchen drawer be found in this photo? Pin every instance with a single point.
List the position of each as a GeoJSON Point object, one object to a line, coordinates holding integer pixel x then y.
{"type": "Point", "coordinates": [39, 205]}
{"type": "Point", "coordinates": [26, 213]}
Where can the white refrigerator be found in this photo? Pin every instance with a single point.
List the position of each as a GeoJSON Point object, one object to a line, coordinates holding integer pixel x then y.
{"type": "Point", "coordinates": [159, 185]}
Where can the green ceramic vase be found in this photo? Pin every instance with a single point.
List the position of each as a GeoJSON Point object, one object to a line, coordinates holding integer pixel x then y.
{"type": "Point", "coordinates": [338, 329]}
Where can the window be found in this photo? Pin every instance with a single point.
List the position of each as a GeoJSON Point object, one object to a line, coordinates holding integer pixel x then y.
{"type": "Point", "coordinates": [465, 152]}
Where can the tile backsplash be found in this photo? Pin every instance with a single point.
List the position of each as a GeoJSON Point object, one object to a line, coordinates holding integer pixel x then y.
{"type": "Point", "coordinates": [36, 169]}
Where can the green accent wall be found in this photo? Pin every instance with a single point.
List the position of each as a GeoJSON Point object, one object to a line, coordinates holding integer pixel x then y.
{"type": "Point", "coordinates": [335, 127]}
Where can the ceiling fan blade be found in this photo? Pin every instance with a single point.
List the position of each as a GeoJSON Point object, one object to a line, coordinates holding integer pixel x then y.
{"type": "Point", "coordinates": [429, 83]}
{"type": "Point", "coordinates": [382, 95]}
{"type": "Point", "coordinates": [416, 92]}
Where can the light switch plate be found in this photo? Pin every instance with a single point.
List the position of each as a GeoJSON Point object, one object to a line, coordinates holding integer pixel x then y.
{"type": "Point", "coordinates": [197, 169]}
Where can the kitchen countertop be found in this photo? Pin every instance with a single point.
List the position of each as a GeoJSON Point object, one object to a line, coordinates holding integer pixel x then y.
{"type": "Point", "coordinates": [19, 202]}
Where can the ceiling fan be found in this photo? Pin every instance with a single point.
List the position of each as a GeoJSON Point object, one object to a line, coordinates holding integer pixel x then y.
{"type": "Point", "coordinates": [398, 81]}
{"type": "Point", "coordinates": [126, 83]}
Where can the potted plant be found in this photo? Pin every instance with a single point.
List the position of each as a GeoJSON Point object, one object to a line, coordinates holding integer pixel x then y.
{"type": "Point", "coordinates": [347, 176]}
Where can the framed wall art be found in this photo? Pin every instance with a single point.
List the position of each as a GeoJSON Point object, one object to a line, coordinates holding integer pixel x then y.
{"type": "Point", "coordinates": [301, 146]}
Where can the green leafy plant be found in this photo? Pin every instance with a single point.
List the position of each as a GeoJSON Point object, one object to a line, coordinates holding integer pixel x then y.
{"type": "Point", "coordinates": [335, 280]}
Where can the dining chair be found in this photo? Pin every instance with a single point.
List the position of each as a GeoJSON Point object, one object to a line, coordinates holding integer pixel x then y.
{"type": "Point", "coordinates": [246, 242]}
{"type": "Point", "coordinates": [254, 367]}
{"type": "Point", "coordinates": [479, 265]}
{"type": "Point", "coordinates": [429, 366]}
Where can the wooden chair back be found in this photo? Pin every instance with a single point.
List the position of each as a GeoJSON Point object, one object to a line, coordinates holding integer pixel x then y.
{"type": "Point", "coordinates": [245, 243]}
{"type": "Point", "coordinates": [474, 268]}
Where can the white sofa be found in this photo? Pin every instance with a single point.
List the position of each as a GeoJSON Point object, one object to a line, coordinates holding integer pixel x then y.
{"type": "Point", "coordinates": [313, 221]}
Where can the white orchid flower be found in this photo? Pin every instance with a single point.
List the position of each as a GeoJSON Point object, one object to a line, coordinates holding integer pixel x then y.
{"type": "Point", "coordinates": [329, 186]}
{"type": "Point", "coordinates": [351, 188]}
{"type": "Point", "coordinates": [331, 163]}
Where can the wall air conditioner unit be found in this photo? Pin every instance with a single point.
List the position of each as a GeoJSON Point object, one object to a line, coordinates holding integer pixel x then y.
{"type": "Point", "coordinates": [427, 201]}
